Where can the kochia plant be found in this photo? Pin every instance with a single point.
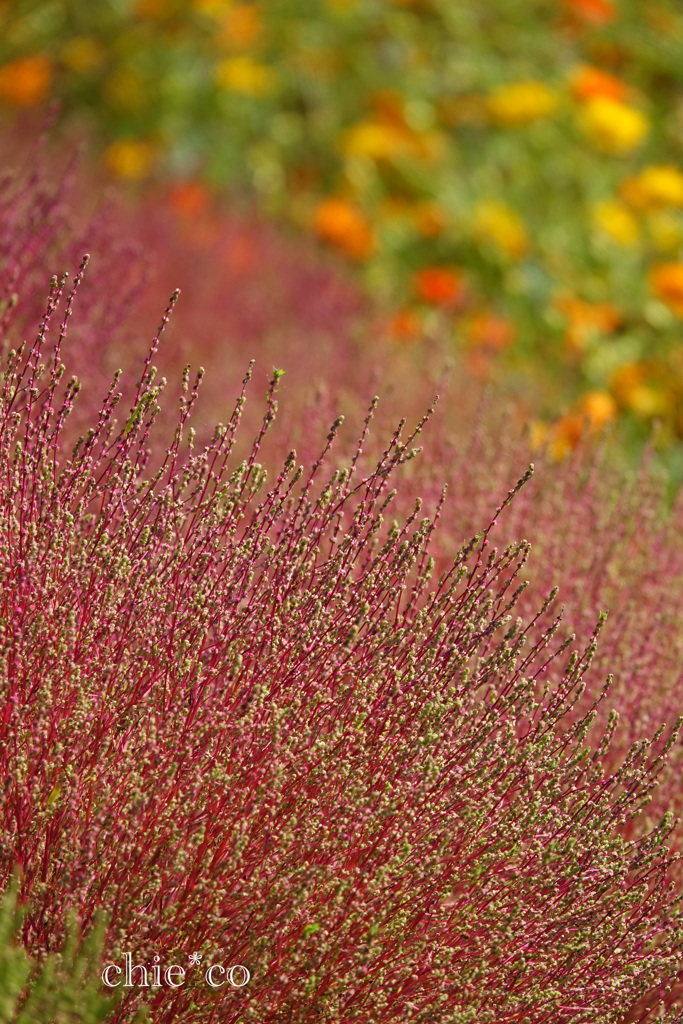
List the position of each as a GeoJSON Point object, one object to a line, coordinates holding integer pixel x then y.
{"type": "Point", "coordinates": [249, 722]}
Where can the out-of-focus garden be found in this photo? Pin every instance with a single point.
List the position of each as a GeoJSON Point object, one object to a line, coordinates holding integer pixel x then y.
{"type": "Point", "coordinates": [505, 176]}
{"type": "Point", "coordinates": [246, 711]}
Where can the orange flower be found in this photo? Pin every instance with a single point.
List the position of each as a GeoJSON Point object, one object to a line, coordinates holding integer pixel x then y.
{"type": "Point", "coordinates": [404, 325]}
{"type": "Point", "coordinates": [586, 319]}
{"type": "Point", "coordinates": [488, 331]}
{"type": "Point", "coordinates": [344, 225]}
{"type": "Point", "coordinates": [440, 286]}
{"type": "Point", "coordinates": [599, 407]}
{"type": "Point", "coordinates": [630, 386]}
{"type": "Point", "coordinates": [588, 82]}
{"type": "Point", "coordinates": [241, 255]}
{"type": "Point", "coordinates": [430, 218]}
{"type": "Point", "coordinates": [594, 411]}
{"type": "Point", "coordinates": [389, 105]}
{"type": "Point", "coordinates": [566, 434]}
{"type": "Point", "coordinates": [593, 12]}
{"type": "Point", "coordinates": [241, 28]}
{"type": "Point", "coordinates": [26, 81]}
{"type": "Point", "coordinates": [478, 363]}
{"type": "Point", "coordinates": [625, 379]}
{"type": "Point", "coordinates": [666, 282]}
{"type": "Point", "coordinates": [188, 199]}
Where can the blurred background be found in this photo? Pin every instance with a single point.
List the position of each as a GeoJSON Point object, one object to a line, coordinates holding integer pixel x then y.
{"type": "Point", "coordinates": [500, 181]}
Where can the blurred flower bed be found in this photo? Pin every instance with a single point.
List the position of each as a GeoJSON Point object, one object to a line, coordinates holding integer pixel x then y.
{"type": "Point", "coordinates": [507, 176]}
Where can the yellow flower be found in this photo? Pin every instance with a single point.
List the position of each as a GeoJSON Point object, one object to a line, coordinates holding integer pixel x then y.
{"type": "Point", "coordinates": [131, 158]}
{"type": "Point", "coordinates": [538, 434]}
{"type": "Point", "coordinates": [613, 127]}
{"type": "Point", "coordinates": [83, 54]}
{"type": "Point", "coordinates": [521, 102]}
{"type": "Point", "coordinates": [244, 75]}
{"type": "Point", "coordinates": [616, 221]}
{"type": "Point", "coordinates": [390, 139]}
{"type": "Point", "coordinates": [212, 8]}
{"type": "Point", "coordinates": [647, 401]}
{"type": "Point", "coordinates": [665, 230]}
{"type": "Point", "coordinates": [374, 140]}
{"type": "Point", "coordinates": [655, 187]}
{"type": "Point", "coordinates": [499, 226]}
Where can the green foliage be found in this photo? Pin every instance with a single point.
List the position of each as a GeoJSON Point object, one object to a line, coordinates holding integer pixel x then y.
{"type": "Point", "coordinates": [64, 988]}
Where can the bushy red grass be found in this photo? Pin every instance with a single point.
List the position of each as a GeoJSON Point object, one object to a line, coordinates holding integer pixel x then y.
{"type": "Point", "coordinates": [249, 722]}
{"type": "Point", "coordinates": [267, 722]}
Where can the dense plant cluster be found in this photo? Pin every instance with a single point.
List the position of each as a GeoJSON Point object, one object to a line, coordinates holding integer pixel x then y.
{"type": "Point", "coordinates": [248, 722]}
{"type": "Point", "coordinates": [608, 543]}
{"type": "Point", "coordinates": [507, 174]}
{"type": "Point", "coordinates": [271, 724]}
